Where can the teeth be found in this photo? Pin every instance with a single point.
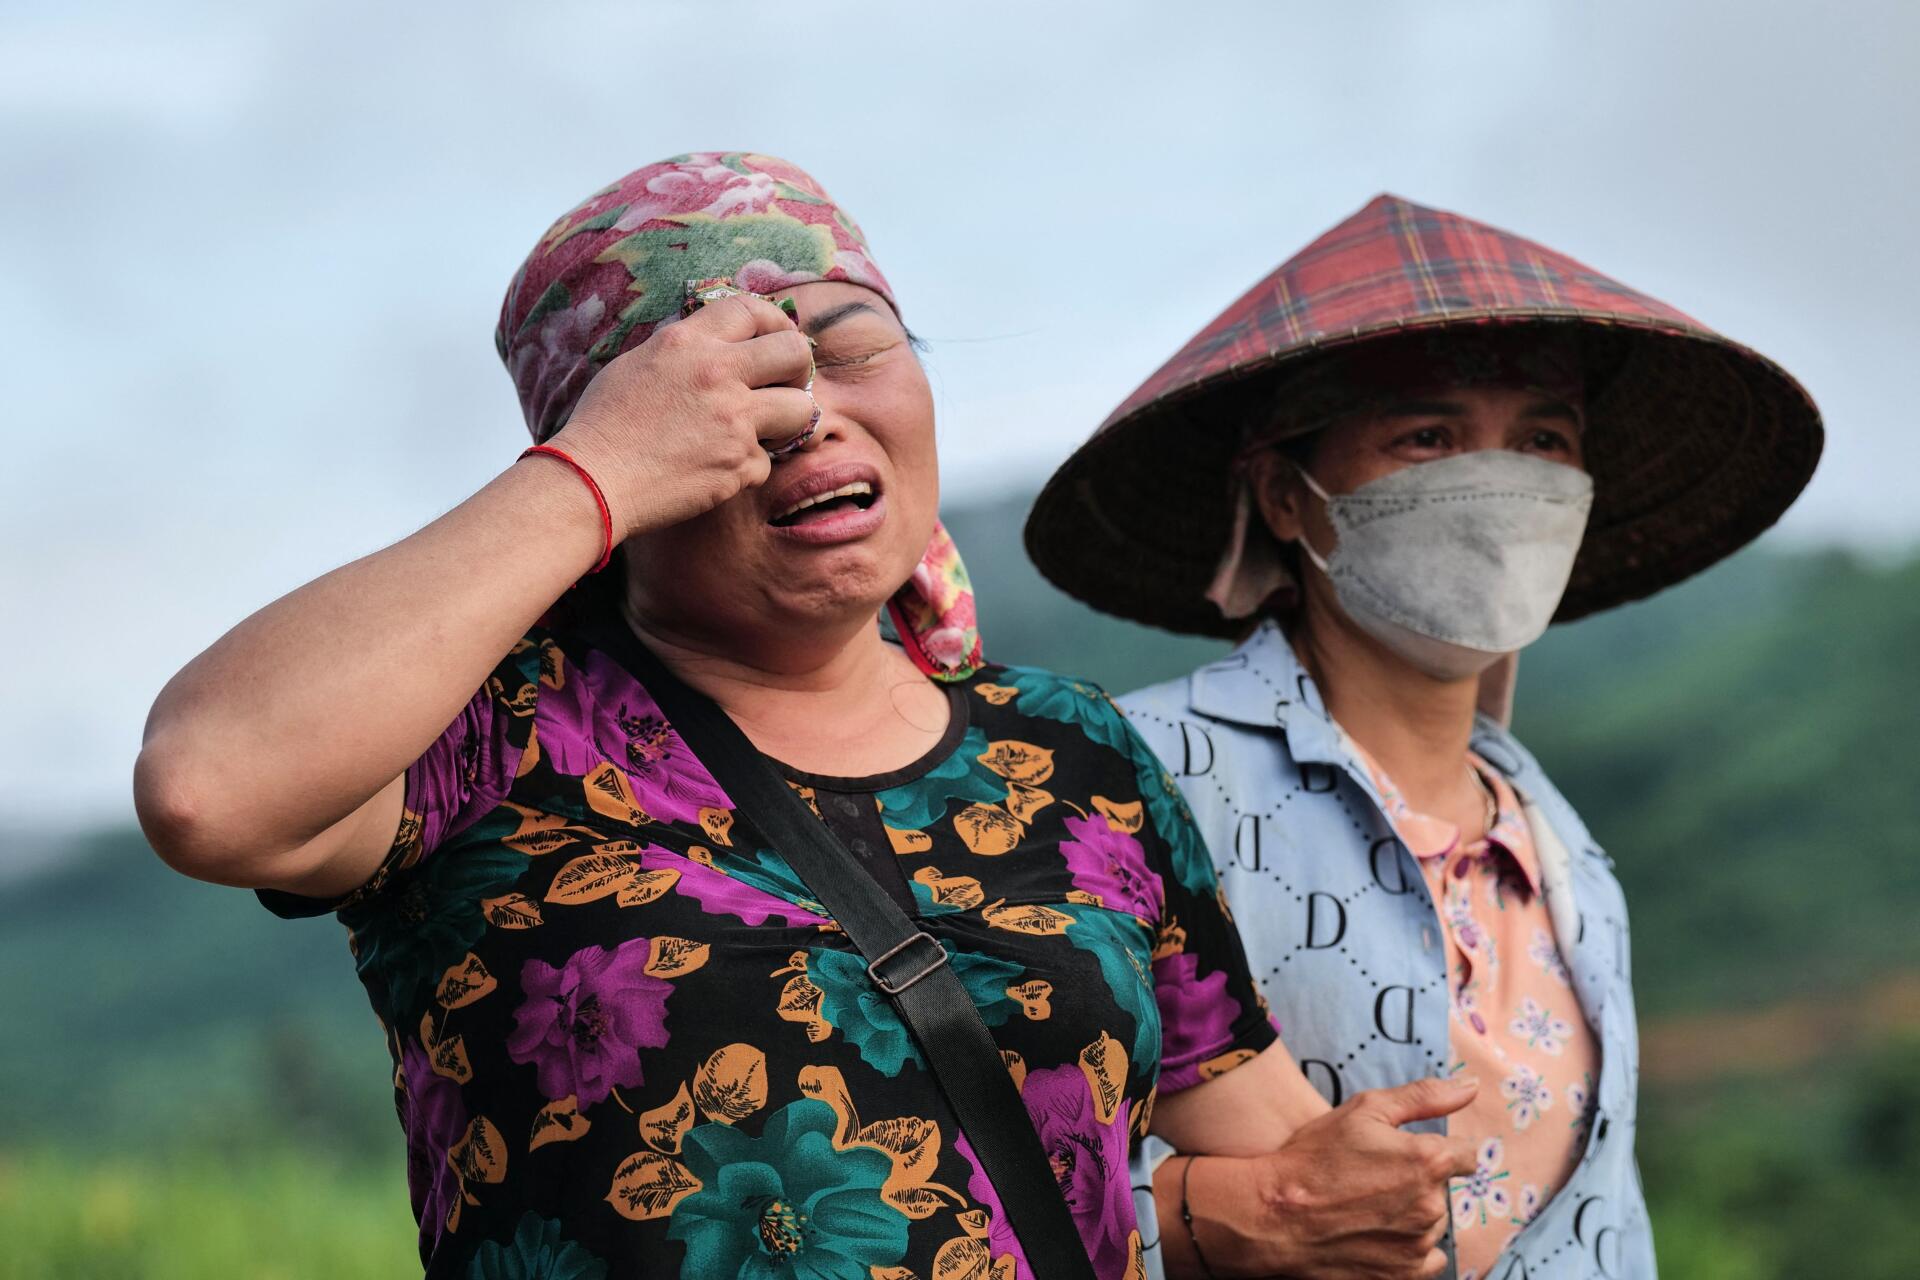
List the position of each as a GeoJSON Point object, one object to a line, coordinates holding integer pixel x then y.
{"type": "Point", "coordinates": [855, 489]}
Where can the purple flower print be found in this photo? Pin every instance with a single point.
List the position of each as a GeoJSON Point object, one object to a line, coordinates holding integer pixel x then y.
{"type": "Point", "coordinates": [721, 894]}
{"type": "Point", "coordinates": [1479, 1198]}
{"type": "Point", "coordinates": [583, 1024]}
{"type": "Point", "coordinates": [1532, 1200]}
{"type": "Point", "coordinates": [1089, 1159]}
{"type": "Point", "coordinates": [1112, 866]}
{"type": "Point", "coordinates": [435, 1116]}
{"type": "Point", "coordinates": [602, 714]}
{"type": "Point", "coordinates": [1466, 929]}
{"type": "Point", "coordinates": [1527, 1095]}
{"type": "Point", "coordinates": [1542, 950]}
{"type": "Point", "coordinates": [1196, 1018]}
{"type": "Point", "coordinates": [1539, 1028]}
{"type": "Point", "coordinates": [1466, 1006]}
{"type": "Point", "coordinates": [1000, 1237]}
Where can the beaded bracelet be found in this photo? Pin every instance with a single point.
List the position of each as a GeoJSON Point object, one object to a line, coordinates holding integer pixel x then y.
{"type": "Point", "coordinates": [1186, 1216]}
{"type": "Point", "coordinates": [599, 498]}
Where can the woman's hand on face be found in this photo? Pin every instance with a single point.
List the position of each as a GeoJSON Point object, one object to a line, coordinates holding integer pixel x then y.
{"type": "Point", "coordinates": [682, 423]}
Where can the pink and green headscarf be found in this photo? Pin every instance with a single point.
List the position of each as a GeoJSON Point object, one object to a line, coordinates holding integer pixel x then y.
{"type": "Point", "coordinates": [615, 268]}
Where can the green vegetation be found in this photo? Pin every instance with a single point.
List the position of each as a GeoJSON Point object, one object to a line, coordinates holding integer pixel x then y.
{"type": "Point", "coordinates": [193, 1088]}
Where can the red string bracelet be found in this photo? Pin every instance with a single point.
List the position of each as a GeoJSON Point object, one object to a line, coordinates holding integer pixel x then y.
{"type": "Point", "coordinates": [599, 498]}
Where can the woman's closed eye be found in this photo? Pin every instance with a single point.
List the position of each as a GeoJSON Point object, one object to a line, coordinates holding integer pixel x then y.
{"type": "Point", "coordinates": [845, 361]}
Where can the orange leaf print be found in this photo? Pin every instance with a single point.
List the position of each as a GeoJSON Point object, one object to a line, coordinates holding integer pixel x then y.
{"type": "Point", "coordinates": [589, 877]}
{"type": "Point", "coordinates": [558, 1122]}
{"type": "Point", "coordinates": [1143, 1114]}
{"type": "Point", "coordinates": [643, 887]}
{"type": "Point", "coordinates": [521, 704]}
{"type": "Point", "coordinates": [830, 1087]}
{"type": "Point", "coordinates": [701, 854]}
{"type": "Point", "coordinates": [676, 957]}
{"type": "Point", "coordinates": [975, 1222]}
{"type": "Point", "coordinates": [890, 1273]}
{"type": "Point", "coordinates": [962, 1258]}
{"type": "Point", "coordinates": [1019, 761]}
{"type": "Point", "coordinates": [608, 792]}
{"type": "Point", "coordinates": [480, 1155]}
{"type": "Point", "coordinates": [664, 1126]}
{"type": "Point", "coordinates": [1024, 801]}
{"type": "Point", "coordinates": [1016, 1067]}
{"type": "Point", "coordinates": [1029, 918]}
{"type": "Point", "coordinates": [987, 829]}
{"type": "Point", "coordinates": [718, 824]}
{"type": "Point", "coordinates": [1136, 1257]}
{"type": "Point", "coordinates": [463, 983]}
{"type": "Point", "coordinates": [539, 832]}
{"type": "Point", "coordinates": [648, 1185]}
{"type": "Point", "coordinates": [732, 1083]}
{"type": "Point", "coordinates": [449, 1058]}
{"type": "Point", "coordinates": [1035, 997]}
{"type": "Point", "coordinates": [912, 1143]}
{"type": "Point", "coordinates": [530, 756]}
{"type": "Point", "coordinates": [1104, 1063]}
{"type": "Point", "coordinates": [909, 841]}
{"type": "Point", "coordinates": [514, 911]}
{"type": "Point", "coordinates": [998, 694]}
{"type": "Point", "coordinates": [1224, 1063]}
{"type": "Point", "coordinates": [963, 892]}
{"type": "Point", "coordinates": [1121, 817]}
{"type": "Point", "coordinates": [800, 1002]}
{"type": "Point", "coordinates": [917, 1201]}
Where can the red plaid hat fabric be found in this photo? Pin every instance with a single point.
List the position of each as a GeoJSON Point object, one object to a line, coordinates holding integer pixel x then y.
{"type": "Point", "coordinates": [1696, 443]}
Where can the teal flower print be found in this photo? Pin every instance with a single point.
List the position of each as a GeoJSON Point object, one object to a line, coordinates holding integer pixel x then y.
{"type": "Point", "coordinates": [861, 1013]}
{"type": "Point", "coordinates": [536, 1253]}
{"type": "Point", "coordinates": [1075, 702]}
{"type": "Point", "coordinates": [1168, 811]}
{"type": "Point", "coordinates": [786, 1205]}
{"type": "Point", "coordinates": [919, 804]}
{"type": "Point", "coordinates": [406, 937]}
{"type": "Point", "coordinates": [1124, 950]}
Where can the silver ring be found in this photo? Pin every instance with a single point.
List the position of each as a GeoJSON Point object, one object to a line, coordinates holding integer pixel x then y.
{"type": "Point", "coordinates": [800, 440]}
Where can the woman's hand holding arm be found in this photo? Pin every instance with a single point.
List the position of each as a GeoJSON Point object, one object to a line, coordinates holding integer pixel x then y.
{"type": "Point", "coordinates": [275, 758]}
{"type": "Point", "coordinates": [1348, 1196]}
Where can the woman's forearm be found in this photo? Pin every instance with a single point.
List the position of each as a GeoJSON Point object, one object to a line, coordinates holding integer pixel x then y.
{"type": "Point", "coordinates": [298, 716]}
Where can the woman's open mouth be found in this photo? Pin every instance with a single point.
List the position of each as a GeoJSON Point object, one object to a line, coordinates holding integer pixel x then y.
{"type": "Point", "coordinates": [858, 496]}
{"type": "Point", "coordinates": [835, 503]}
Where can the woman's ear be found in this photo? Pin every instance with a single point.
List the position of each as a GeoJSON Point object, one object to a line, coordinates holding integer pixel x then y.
{"type": "Point", "coordinates": [1280, 493]}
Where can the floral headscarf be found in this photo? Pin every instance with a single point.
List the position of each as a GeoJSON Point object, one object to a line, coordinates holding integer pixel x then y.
{"type": "Point", "coordinates": [616, 267]}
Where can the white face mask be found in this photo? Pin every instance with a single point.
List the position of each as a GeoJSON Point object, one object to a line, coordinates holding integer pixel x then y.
{"type": "Point", "coordinates": [1452, 564]}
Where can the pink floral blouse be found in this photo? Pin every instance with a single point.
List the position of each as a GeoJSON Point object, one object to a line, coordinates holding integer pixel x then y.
{"type": "Point", "coordinates": [1516, 1023]}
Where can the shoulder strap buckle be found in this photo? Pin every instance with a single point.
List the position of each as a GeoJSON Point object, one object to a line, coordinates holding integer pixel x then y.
{"type": "Point", "coordinates": [889, 985]}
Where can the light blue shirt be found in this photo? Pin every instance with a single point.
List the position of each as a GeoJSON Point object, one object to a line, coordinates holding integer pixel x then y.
{"type": "Point", "coordinates": [1342, 937]}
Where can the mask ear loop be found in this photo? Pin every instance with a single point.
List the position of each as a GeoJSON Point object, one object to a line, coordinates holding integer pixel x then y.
{"type": "Point", "coordinates": [1319, 562]}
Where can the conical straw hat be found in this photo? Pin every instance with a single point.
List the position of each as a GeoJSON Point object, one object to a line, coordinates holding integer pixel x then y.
{"type": "Point", "coordinates": [1696, 443]}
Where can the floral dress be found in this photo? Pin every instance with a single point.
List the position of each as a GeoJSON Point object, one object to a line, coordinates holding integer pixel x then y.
{"type": "Point", "coordinates": [627, 1041]}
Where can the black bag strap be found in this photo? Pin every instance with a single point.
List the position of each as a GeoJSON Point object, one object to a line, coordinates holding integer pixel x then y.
{"type": "Point", "coordinates": [903, 961]}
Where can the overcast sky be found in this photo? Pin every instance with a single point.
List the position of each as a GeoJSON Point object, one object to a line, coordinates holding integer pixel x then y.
{"type": "Point", "coordinates": [251, 254]}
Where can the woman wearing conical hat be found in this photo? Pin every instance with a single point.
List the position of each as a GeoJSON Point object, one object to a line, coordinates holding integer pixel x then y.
{"type": "Point", "coordinates": [1385, 470]}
